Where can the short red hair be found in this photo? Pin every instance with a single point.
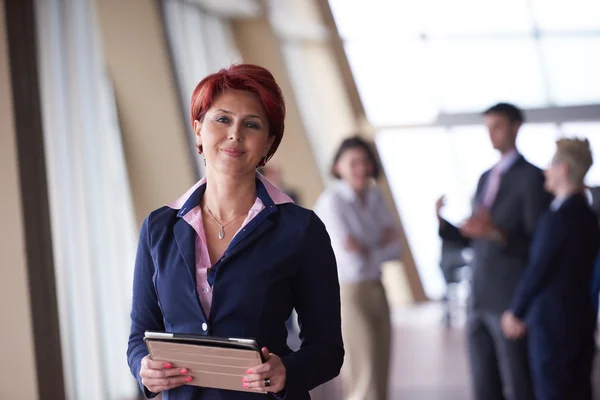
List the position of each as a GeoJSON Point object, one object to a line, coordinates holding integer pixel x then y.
{"type": "Point", "coordinates": [248, 77]}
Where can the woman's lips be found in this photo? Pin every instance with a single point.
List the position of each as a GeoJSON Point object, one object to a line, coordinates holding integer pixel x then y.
{"type": "Point", "coordinates": [232, 151]}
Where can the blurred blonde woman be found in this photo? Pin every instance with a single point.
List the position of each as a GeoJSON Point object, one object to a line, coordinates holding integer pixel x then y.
{"type": "Point", "coordinates": [363, 237]}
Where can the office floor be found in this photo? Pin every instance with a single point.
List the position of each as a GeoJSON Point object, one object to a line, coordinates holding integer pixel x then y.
{"type": "Point", "coordinates": [429, 360]}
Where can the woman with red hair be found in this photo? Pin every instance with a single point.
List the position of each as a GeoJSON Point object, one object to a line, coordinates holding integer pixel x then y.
{"type": "Point", "coordinates": [234, 255]}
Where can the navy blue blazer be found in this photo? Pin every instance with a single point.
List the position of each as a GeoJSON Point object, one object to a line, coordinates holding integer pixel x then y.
{"type": "Point", "coordinates": [281, 260]}
{"type": "Point", "coordinates": [554, 293]}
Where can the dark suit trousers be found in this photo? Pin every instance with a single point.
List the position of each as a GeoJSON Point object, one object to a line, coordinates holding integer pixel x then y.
{"type": "Point", "coordinates": [564, 371]}
{"type": "Point", "coordinates": [499, 367]}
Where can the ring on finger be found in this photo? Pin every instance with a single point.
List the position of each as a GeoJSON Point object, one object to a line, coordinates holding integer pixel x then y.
{"type": "Point", "coordinates": [267, 382]}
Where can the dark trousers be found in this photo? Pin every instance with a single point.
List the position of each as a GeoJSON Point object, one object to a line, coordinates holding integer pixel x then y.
{"type": "Point", "coordinates": [499, 367]}
{"type": "Point", "coordinates": [561, 371]}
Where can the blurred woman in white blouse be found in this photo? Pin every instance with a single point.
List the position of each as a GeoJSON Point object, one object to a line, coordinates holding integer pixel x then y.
{"type": "Point", "coordinates": [363, 237]}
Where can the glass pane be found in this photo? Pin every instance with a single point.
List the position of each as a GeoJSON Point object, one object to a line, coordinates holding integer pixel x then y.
{"type": "Point", "coordinates": [421, 164]}
{"type": "Point", "coordinates": [473, 154]}
{"type": "Point", "coordinates": [474, 74]}
{"type": "Point", "coordinates": [376, 18]}
{"type": "Point", "coordinates": [394, 81]}
{"type": "Point", "coordinates": [537, 143]}
{"type": "Point", "coordinates": [385, 18]}
{"type": "Point", "coordinates": [476, 17]}
{"type": "Point", "coordinates": [573, 65]}
{"type": "Point", "coordinates": [419, 170]}
{"type": "Point", "coordinates": [591, 131]}
{"type": "Point", "coordinates": [561, 15]}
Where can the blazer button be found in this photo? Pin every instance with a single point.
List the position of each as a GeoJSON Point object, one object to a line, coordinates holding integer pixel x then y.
{"type": "Point", "coordinates": [204, 326]}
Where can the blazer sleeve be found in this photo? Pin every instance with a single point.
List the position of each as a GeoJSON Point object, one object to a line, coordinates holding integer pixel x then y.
{"type": "Point", "coordinates": [331, 209]}
{"type": "Point", "coordinates": [316, 292]}
{"type": "Point", "coordinates": [535, 202]}
{"type": "Point", "coordinates": [145, 311]}
{"type": "Point", "coordinates": [546, 243]}
{"type": "Point", "coordinates": [452, 234]}
{"type": "Point", "coordinates": [449, 232]}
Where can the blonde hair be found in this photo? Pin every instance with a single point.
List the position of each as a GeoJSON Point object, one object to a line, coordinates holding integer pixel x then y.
{"type": "Point", "coordinates": [576, 153]}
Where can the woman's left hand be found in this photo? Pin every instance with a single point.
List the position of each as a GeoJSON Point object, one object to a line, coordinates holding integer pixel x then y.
{"type": "Point", "coordinates": [267, 377]}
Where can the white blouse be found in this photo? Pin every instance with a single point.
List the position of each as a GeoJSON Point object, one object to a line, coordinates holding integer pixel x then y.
{"type": "Point", "coordinates": [345, 215]}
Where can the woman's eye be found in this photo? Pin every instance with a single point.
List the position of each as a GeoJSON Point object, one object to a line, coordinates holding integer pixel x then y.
{"type": "Point", "coordinates": [252, 125]}
{"type": "Point", "coordinates": [222, 119]}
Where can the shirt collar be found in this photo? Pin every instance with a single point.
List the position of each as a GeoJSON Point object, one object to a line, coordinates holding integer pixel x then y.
{"type": "Point", "coordinates": [560, 200]}
{"type": "Point", "coordinates": [265, 191]}
{"type": "Point", "coordinates": [557, 202]}
{"type": "Point", "coordinates": [507, 160]}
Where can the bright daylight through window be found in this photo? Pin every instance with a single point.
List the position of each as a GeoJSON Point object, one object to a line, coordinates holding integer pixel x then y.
{"type": "Point", "coordinates": [412, 65]}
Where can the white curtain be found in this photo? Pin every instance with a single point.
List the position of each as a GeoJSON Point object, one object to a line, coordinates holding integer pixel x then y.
{"type": "Point", "coordinates": [201, 43]}
{"type": "Point", "coordinates": [93, 225]}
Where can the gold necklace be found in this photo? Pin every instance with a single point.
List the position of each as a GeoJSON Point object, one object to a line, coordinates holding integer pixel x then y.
{"type": "Point", "coordinates": [222, 230]}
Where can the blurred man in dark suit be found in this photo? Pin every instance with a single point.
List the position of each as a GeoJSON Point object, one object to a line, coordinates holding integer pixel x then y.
{"type": "Point", "coordinates": [509, 200]}
{"type": "Point", "coordinates": [552, 303]}
{"type": "Point", "coordinates": [594, 193]}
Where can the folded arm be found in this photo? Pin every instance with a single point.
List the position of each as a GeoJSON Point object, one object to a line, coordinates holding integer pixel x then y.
{"type": "Point", "coordinates": [546, 243]}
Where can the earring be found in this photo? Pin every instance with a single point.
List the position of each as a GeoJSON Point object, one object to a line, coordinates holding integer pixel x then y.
{"type": "Point", "coordinates": [263, 162]}
{"type": "Point", "coordinates": [199, 147]}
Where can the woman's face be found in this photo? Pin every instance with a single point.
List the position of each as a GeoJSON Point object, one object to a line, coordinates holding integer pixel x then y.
{"type": "Point", "coordinates": [234, 133]}
{"type": "Point", "coordinates": [355, 167]}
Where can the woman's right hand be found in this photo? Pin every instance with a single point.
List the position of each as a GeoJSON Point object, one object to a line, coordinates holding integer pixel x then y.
{"type": "Point", "coordinates": [159, 376]}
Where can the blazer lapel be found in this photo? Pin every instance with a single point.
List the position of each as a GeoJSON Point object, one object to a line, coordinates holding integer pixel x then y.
{"type": "Point", "coordinates": [258, 226]}
{"type": "Point", "coordinates": [478, 198]}
{"type": "Point", "coordinates": [507, 176]}
{"type": "Point", "coordinates": [253, 231]}
{"type": "Point", "coordinates": [185, 236]}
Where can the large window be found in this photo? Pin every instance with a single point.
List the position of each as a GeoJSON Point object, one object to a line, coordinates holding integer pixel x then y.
{"type": "Point", "coordinates": [425, 163]}
{"type": "Point", "coordinates": [413, 60]}
{"type": "Point", "coordinates": [421, 64]}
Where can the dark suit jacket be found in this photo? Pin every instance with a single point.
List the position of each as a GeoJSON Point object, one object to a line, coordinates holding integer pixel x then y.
{"type": "Point", "coordinates": [497, 268]}
{"type": "Point", "coordinates": [554, 293]}
{"type": "Point", "coordinates": [595, 192]}
{"type": "Point", "coordinates": [281, 260]}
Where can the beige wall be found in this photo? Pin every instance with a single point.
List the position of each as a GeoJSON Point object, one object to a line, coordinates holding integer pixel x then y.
{"type": "Point", "coordinates": [17, 370]}
{"type": "Point", "coordinates": [258, 45]}
{"type": "Point", "coordinates": [157, 150]}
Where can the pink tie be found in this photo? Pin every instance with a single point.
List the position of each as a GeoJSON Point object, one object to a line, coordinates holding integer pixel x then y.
{"type": "Point", "coordinates": [491, 188]}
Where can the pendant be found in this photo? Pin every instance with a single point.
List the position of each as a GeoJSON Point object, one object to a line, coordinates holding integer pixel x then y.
{"type": "Point", "coordinates": [221, 234]}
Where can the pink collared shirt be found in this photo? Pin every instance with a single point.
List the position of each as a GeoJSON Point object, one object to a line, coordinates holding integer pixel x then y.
{"type": "Point", "coordinates": [194, 218]}
{"type": "Point", "coordinates": [493, 182]}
